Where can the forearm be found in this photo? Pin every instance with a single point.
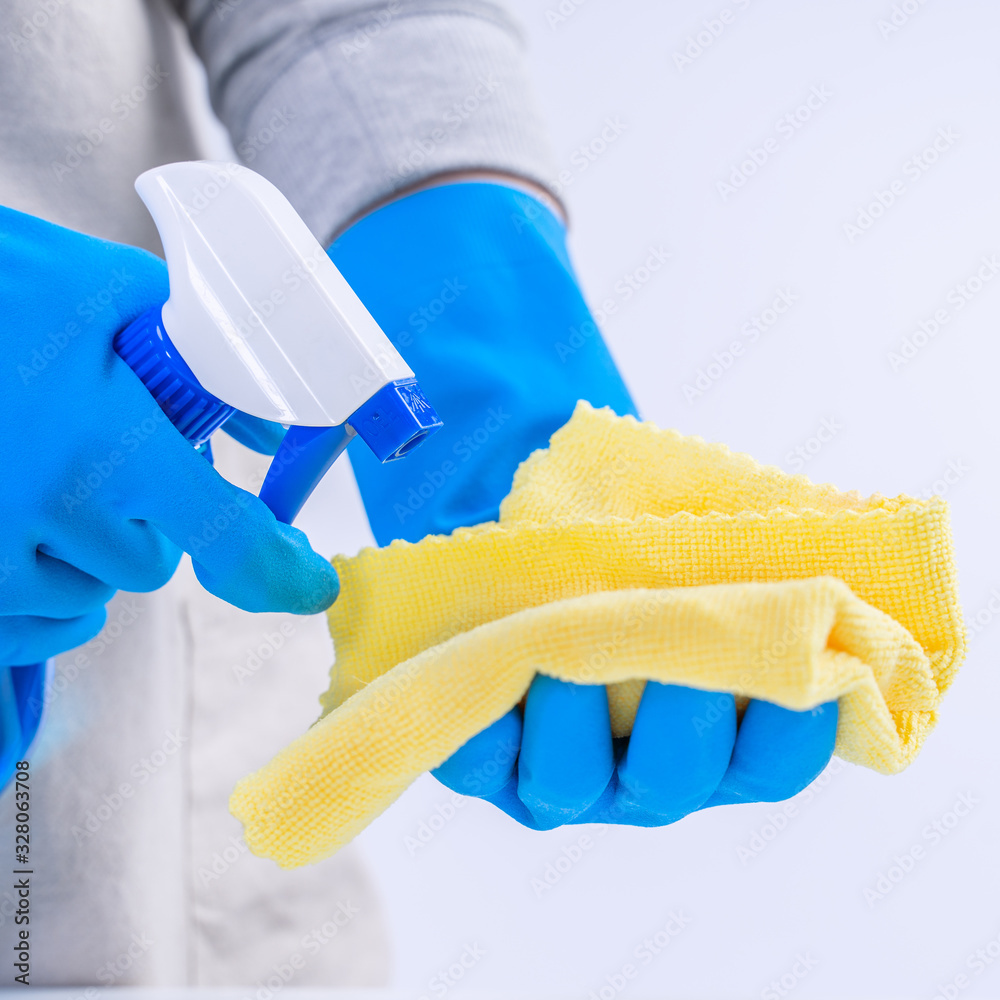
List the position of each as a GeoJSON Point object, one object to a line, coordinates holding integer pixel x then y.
{"type": "Point", "coordinates": [346, 105]}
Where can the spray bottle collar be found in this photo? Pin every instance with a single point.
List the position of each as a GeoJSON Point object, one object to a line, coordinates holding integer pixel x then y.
{"type": "Point", "coordinates": [147, 349]}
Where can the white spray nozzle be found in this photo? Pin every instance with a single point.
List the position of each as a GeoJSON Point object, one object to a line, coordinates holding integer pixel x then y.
{"type": "Point", "coordinates": [257, 310]}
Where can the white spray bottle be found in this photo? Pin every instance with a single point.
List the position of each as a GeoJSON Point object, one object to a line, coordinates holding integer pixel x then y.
{"type": "Point", "coordinates": [259, 319]}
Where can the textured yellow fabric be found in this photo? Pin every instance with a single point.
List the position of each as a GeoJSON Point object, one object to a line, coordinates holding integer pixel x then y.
{"type": "Point", "coordinates": [623, 553]}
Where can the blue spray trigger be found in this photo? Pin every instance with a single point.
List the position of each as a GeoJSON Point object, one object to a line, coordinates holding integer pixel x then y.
{"type": "Point", "coordinates": [305, 456]}
{"type": "Point", "coordinates": [392, 423]}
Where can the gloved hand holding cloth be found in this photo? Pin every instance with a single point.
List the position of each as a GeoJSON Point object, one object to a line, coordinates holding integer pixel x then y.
{"type": "Point", "coordinates": [648, 625]}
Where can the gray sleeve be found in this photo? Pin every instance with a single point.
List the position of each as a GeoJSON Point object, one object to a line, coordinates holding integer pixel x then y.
{"type": "Point", "coordinates": [341, 103]}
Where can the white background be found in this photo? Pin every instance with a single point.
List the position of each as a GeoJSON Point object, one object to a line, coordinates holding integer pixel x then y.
{"type": "Point", "coordinates": [656, 186]}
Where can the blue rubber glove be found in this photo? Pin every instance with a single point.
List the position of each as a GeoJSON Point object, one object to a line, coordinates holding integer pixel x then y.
{"type": "Point", "coordinates": [99, 491]}
{"type": "Point", "coordinates": [473, 283]}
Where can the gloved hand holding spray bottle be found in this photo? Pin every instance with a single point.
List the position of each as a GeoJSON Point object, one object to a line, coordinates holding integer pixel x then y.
{"type": "Point", "coordinates": [259, 323]}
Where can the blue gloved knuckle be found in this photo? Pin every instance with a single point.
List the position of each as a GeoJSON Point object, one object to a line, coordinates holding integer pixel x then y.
{"type": "Point", "coordinates": [507, 801]}
{"type": "Point", "coordinates": [779, 752]}
{"type": "Point", "coordinates": [29, 639]}
{"type": "Point", "coordinates": [673, 794]}
{"type": "Point", "coordinates": [624, 810]}
{"type": "Point", "coordinates": [775, 787]}
{"type": "Point", "coordinates": [674, 791]}
{"type": "Point", "coordinates": [153, 575]}
{"type": "Point", "coordinates": [137, 279]}
{"type": "Point", "coordinates": [556, 796]}
{"type": "Point", "coordinates": [58, 596]}
{"type": "Point", "coordinates": [548, 810]}
{"type": "Point", "coordinates": [450, 776]}
{"type": "Point", "coordinates": [679, 750]}
{"type": "Point", "coordinates": [484, 764]}
{"type": "Point", "coordinates": [148, 564]}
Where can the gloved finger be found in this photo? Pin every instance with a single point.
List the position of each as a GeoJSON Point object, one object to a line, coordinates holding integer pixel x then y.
{"type": "Point", "coordinates": [26, 639]}
{"type": "Point", "coordinates": [51, 588]}
{"type": "Point", "coordinates": [278, 572]}
{"type": "Point", "coordinates": [680, 747]}
{"type": "Point", "coordinates": [486, 763]}
{"type": "Point", "coordinates": [778, 752]}
{"type": "Point", "coordinates": [257, 434]}
{"type": "Point", "coordinates": [507, 800]}
{"type": "Point", "coordinates": [240, 551]}
{"type": "Point", "coordinates": [567, 758]}
{"type": "Point", "coordinates": [602, 811]}
{"type": "Point", "coordinates": [122, 553]}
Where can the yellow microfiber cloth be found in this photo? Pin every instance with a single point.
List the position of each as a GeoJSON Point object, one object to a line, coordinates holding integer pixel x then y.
{"type": "Point", "coordinates": [623, 553]}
